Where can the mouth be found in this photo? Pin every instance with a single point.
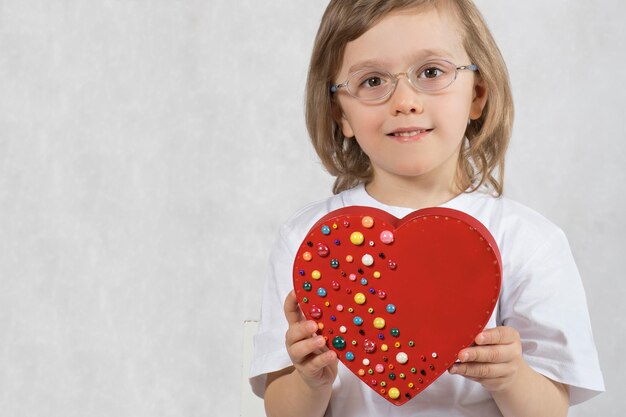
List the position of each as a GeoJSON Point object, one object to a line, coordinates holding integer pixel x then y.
{"type": "Point", "coordinates": [409, 134]}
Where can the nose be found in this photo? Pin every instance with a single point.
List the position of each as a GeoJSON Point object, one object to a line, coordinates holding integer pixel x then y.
{"type": "Point", "coordinates": [405, 99]}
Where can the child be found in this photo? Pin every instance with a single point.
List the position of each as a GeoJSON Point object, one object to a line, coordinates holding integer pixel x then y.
{"type": "Point", "coordinates": [409, 106]}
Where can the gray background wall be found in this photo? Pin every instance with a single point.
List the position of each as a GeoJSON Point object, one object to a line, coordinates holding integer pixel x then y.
{"type": "Point", "coordinates": [150, 149]}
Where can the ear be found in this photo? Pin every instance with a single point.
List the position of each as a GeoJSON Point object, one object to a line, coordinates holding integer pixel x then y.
{"type": "Point", "coordinates": [340, 118]}
{"type": "Point", "coordinates": [479, 98]}
{"type": "Point", "coordinates": [346, 127]}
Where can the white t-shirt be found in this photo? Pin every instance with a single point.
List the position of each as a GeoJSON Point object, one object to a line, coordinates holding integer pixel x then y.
{"type": "Point", "coordinates": [541, 296]}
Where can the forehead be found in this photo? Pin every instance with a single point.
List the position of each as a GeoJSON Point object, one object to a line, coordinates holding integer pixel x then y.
{"type": "Point", "coordinates": [402, 37]}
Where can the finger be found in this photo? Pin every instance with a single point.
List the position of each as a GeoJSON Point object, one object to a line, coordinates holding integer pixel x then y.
{"type": "Point", "coordinates": [497, 336]}
{"type": "Point", "coordinates": [488, 354]}
{"type": "Point", "coordinates": [300, 331]}
{"type": "Point", "coordinates": [480, 370]}
{"type": "Point", "coordinates": [292, 310]}
{"type": "Point", "coordinates": [492, 383]}
{"type": "Point", "coordinates": [322, 360]}
{"type": "Point", "coordinates": [302, 351]}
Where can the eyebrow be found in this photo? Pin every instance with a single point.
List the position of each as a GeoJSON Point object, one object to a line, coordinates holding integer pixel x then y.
{"type": "Point", "coordinates": [424, 54]}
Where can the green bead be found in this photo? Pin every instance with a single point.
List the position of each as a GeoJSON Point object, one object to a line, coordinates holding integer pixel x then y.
{"type": "Point", "coordinates": [307, 286]}
{"type": "Point", "coordinates": [339, 343]}
{"type": "Point", "coordinates": [395, 332]}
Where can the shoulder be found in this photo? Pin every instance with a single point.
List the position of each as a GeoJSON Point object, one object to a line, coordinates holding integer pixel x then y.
{"type": "Point", "coordinates": [298, 225]}
{"type": "Point", "coordinates": [507, 218]}
{"type": "Point", "coordinates": [523, 235]}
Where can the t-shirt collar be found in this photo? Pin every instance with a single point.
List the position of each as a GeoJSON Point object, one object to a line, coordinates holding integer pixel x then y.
{"type": "Point", "coordinates": [358, 196]}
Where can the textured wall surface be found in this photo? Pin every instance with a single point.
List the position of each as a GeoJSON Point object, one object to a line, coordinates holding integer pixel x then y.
{"type": "Point", "coordinates": [149, 149]}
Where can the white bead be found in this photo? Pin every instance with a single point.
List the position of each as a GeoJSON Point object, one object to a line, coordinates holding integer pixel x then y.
{"type": "Point", "coordinates": [367, 259]}
{"type": "Point", "coordinates": [402, 357]}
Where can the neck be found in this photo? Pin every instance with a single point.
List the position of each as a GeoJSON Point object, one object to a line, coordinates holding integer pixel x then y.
{"type": "Point", "coordinates": [415, 193]}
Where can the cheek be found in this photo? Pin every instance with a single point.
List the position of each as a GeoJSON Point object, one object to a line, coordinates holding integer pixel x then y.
{"type": "Point", "coordinates": [363, 122]}
{"type": "Point", "coordinates": [453, 115]}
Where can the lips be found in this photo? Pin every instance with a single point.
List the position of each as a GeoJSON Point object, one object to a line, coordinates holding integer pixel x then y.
{"type": "Point", "coordinates": [410, 133]}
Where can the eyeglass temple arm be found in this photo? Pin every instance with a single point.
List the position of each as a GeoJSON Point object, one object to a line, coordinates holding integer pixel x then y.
{"type": "Point", "coordinates": [335, 87]}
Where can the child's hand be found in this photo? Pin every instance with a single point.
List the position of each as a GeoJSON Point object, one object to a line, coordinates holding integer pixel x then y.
{"type": "Point", "coordinates": [316, 364]}
{"type": "Point", "coordinates": [494, 361]}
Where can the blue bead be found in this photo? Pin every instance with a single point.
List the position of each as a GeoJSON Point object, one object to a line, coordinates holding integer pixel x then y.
{"type": "Point", "coordinates": [321, 292]}
{"type": "Point", "coordinates": [391, 308]}
{"type": "Point", "coordinates": [363, 281]}
{"type": "Point", "coordinates": [325, 230]}
{"type": "Point", "coordinates": [350, 356]}
{"type": "Point", "coordinates": [357, 320]}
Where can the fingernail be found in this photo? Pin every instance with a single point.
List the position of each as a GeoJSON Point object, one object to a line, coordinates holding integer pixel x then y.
{"type": "Point", "coordinates": [464, 356]}
{"type": "Point", "coordinates": [311, 326]}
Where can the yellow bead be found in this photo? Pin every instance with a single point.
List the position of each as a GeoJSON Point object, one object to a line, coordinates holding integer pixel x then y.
{"type": "Point", "coordinates": [379, 323]}
{"type": "Point", "coordinates": [394, 393]}
{"type": "Point", "coordinates": [411, 385]}
{"type": "Point", "coordinates": [384, 347]}
{"type": "Point", "coordinates": [316, 274]}
{"type": "Point", "coordinates": [357, 238]}
{"type": "Point", "coordinates": [327, 303]}
{"type": "Point", "coordinates": [376, 274]}
{"type": "Point", "coordinates": [359, 298]}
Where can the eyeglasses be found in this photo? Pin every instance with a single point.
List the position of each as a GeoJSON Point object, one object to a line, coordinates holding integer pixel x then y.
{"type": "Point", "coordinates": [371, 84]}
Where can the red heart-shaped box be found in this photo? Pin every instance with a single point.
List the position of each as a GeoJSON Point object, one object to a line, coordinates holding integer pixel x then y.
{"type": "Point", "coordinates": [397, 299]}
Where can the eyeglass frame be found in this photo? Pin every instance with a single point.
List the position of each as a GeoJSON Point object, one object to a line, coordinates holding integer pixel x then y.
{"type": "Point", "coordinates": [335, 87]}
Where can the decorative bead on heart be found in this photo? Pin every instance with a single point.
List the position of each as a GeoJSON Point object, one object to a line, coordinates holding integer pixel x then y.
{"type": "Point", "coordinates": [397, 299]}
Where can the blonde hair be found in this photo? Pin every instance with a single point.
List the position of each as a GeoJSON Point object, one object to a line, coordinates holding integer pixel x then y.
{"type": "Point", "coordinates": [481, 160]}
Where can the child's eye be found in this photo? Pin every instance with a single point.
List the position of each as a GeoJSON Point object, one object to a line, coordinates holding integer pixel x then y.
{"type": "Point", "coordinates": [372, 80]}
{"type": "Point", "coordinates": [430, 72]}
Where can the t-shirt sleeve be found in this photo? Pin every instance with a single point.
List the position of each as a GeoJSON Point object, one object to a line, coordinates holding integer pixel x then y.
{"type": "Point", "coordinates": [270, 353]}
{"type": "Point", "coordinates": [546, 303]}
